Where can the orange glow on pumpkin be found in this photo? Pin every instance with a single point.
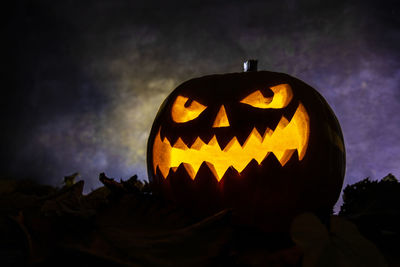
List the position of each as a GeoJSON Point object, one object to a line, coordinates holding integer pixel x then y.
{"type": "Point", "coordinates": [282, 142]}
{"type": "Point", "coordinates": [282, 96]}
{"type": "Point", "coordinates": [181, 113]}
{"type": "Point", "coordinates": [222, 119]}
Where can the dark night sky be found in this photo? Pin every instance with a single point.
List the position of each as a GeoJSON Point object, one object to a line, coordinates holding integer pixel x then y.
{"type": "Point", "coordinates": [85, 80]}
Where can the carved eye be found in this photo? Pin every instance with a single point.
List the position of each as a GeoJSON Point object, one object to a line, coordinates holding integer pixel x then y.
{"type": "Point", "coordinates": [282, 96]}
{"type": "Point", "coordinates": [184, 111]}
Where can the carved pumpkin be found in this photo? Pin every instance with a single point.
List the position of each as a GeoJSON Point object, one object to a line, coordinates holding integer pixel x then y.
{"type": "Point", "coordinates": [263, 143]}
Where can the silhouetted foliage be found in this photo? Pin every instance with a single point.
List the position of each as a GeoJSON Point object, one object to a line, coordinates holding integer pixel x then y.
{"type": "Point", "coordinates": [123, 223]}
{"type": "Point", "coordinates": [371, 196]}
{"type": "Point", "coordinates": [374, 206]}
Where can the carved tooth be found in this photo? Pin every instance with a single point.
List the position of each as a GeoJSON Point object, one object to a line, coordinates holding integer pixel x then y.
{"type": "Point", "coordinates": [274, 124]}
{"type": "Point", "coordinates": [282, 123]}
{"type": "Point", "coordinates": [278, 154]}
{"type": "Point", "coordinates": [234, 148]}
{"type": "Point", "coordinates": [254, 137]}
{"type": "Point", "coordinates": [198, 144]}
{"type": "Point", "coordinates": [214, 142]}
{"type": "Point", "coordinates": [166, 141]}
{"type": "Point", "coordinates": [243, 134]}
{"type": "Point", "coordinates": [189, 140]}
{"type": "Point", "coordinates": [253, 146]}
{"type": "Point", "coordinates": [261, 131]}
{"type": "Point", "coordinates": [180, 144]}
{"type": "Point", "coordinates": [266, 156]}
{"type": "Point", "coordinates": [206, 137]}
{"type": "Point", "coordinates": [164, 170]}
{"type": "Point", "coordinates": [270, 162]}
{"type": "Point", "coordinates": [217, 175]}
{"type": "Point", "coordinates": [268, 132]}
{"type": "Point", "coordinates": [230, 176]}
{"type": "Point", "coordinates": [222, 140]}
{"type": "Point", "coordinates": [284, 156]}
{"type": "Point", "coordinates": [162, 133]}
{"type": "Point", "coordinates": [196, 166]}
{"type": "Point", "coordinates": [233, 144]}
{"type": "Point", "coordinates": [250, 168]}
{"type": "Point", "coordinates": [240, 166]}
{"type": "Point", "coordinates": [190, 170]}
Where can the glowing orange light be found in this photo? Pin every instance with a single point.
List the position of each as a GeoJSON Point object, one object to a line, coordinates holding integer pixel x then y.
{"type": "Point", "coordinates": [181, 114]}
{"type": "Point", "coordinates": [283, 141]}
{"type": "Point", "coordinates": [222, 119]}
{"type": "Point", "coordinates": [282, 96]}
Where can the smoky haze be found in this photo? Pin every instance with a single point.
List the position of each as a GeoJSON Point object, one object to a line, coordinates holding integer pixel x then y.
{"type": "Point", "coordinates": [86, 80]}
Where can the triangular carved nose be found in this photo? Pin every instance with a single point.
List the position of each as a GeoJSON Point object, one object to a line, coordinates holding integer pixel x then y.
{"type": "Point", "coordinates": [222, 119]}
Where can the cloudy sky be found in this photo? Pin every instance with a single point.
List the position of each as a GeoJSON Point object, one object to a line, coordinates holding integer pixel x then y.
{"type": "Point", "coordinates": [85, 80]}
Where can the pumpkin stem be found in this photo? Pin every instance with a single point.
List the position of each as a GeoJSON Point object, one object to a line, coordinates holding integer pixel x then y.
{"type": "Point", "coordinates": [250, 65]}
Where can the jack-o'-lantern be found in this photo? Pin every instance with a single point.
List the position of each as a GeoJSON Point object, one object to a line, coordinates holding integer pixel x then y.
{"type": "Point", "coordinates": [265, 144]}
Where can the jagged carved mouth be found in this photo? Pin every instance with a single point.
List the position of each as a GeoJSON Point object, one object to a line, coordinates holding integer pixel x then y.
{"type": "Point", "coordinates": [282, 142]}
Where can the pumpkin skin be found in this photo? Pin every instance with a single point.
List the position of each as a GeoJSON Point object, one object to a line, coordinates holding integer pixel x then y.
{"type": "Point", "coordinates": [264, 191]}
